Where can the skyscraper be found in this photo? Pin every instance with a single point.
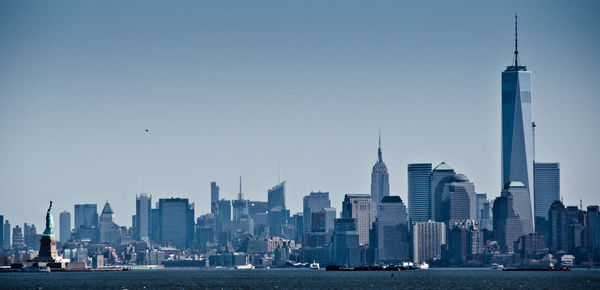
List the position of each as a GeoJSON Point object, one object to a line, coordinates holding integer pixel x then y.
{"type": "Point", "coordinates": [428, 238]}
{"type": "Point", "coordinates": [214, 197]}
{"type": "Point", "coordinates": [6, 236]}
{"type": "Point", "coordinates": [345, 243]}
{"type": "Point", "coordinates": [521, 204]}
{"type": "Point", "coordinates": [86, 215]}
{"type": "Point", "coordinates": [143, 214]}
{"type": "Point", "coordinates": [380, 184]}
{"type": "Point", "coordinates": [517, 127]}
{"type": "Point", "coordinates": [176, 221]}
{"type": "Point", "coordinates": [276, 196]}
{"type": "Point", "coordinates": [1, 232]}
{"type": "Point", "coordinates": [359, 207]}
{"type": "Point", "coordinates": [546, 184]}
{"type": "Point", "coordinates": [314, 202]}
{"type": "Point", "coordinates": [391, 228]}
{"type": "Point", "coordinates": [419, 192]}
{"type": "Point", "coordinates": [65, 226]}
{"type": "Point", "coordinates": [437, 175]}
{"type": "Point", "coordinates": [507, 224]}
{"type": "Point", "coordinates": [109, 230]}
{"type": "Point", "coordinates": [18, 241]}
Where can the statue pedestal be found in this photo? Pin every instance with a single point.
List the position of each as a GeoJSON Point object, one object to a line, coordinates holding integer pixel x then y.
{"type": "Point", "coordinates": [48, 252]}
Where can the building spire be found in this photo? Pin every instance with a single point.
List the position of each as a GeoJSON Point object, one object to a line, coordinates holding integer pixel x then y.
{"type": "Point", "coordinates": [516, 57]}
{"type": "Point", "coordinates": [240, 195]}
{"type": "Point", "coordinates": [379, 150]}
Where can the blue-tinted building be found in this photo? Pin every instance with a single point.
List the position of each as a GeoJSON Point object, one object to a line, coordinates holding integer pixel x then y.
{"type": "Point", "coordinates": [517, 126]}
{"type": "Point", "coordinates": [419, 192]}
{"type": "Point", "coordinates": [380, 180]}
{"type": "Point", "coordinates": [546, 184]}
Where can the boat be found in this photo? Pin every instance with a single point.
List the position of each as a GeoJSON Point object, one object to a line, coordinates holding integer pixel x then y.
{"type": "Point", "coordinates": [244, 267]}
{"type": "Point", "coordinates": [315, 266]}
{"type": "Point", "coordinates": [42, 269]}
{"type": "Point", "coordinates": [559, 269]}
{"type": "Point", "coordinates": [424, 266]}
{"type": "Point", "coordinates": [497, 266]}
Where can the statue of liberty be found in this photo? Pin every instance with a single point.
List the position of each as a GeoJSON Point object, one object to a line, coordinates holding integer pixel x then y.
{"type": "Point", "coordinates": [49, 232]}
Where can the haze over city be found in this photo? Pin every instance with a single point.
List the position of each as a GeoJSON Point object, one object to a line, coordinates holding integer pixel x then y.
{"type": "Point", "coordinates": [304, 87]}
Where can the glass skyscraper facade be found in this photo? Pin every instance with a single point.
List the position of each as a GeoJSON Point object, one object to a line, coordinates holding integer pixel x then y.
{"type": "Point", "coordinates": [419, 192]}
{"type": "Point", "coordinates": [546, 185]}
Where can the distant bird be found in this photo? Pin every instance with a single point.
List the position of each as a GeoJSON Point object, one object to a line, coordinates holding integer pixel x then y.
{"type": "Point", "coordinates": [147, 131]}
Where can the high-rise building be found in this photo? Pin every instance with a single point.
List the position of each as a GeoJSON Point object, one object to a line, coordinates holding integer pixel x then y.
{"type": "Point", "coordinates": [214, 197]}
{"type": "Point", "coordinates": [143, 214]}
{"type": "Point", "coordinates": [86, 215]}
{"type": "Point", "coordinates": [298, 220]}
{"type": "Point", "coordinates": [6, 235]}
{"type": "Point", "coordinates": [507, 224]}
{"type": "Point", "coordinates": [380, 183]}
{"type": "Point", "coordinates": [419, 192]}
{"type": "Point", "coordinates": [1, 232]}
{"type": "Point", "coordinates": [440, 172]}
{"type": "Point", "coordinates": [517, 126]}
{"type": "Point", "coordinates": [240, 206]}
{"type": "Point", "coordinates": [593, 226]}
{"type": "Point", "coordinates": [458, 200]}
{"type": "Point", "coordinates": [464, 240]}
{"type": "Point", "coordinates": [276, 196]}
{"type": "Point", "coordinates": [359, 207]}
{"type": "Point", "coordinates": [391, 227]}
{"type": "Point", "coordinates": [176, 222]}
{"type": "Point", "coordinates": [65, 226]}
{"type": "Point", "coordinates": [18, 241]}
{"type": "Point", "coordinates": [546, 184]}
{"type": "Point", "coordinates": [345, 243]}
{"type": "Point", "coordinates": [521, 205]}
{"type": "Point", "coordinates": [484, 215]}
{"type": "Point", "coordinates": [314, 202]}
{"type": "Point", "coordinates": [557, 226]}
{"type": "Point", "coordinates": [30, 236]}
{"type": "Point", "coordinates": [428, 238]}
{"type": "Point", "coordinates": [109, 230]}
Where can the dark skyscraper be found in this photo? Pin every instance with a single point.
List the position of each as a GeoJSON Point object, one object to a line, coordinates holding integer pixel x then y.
{"type": "Point", "coordinates": [214, 197]}
{"type": "Point", "coordinates": [419, 192]}
{"type": "Point", "coordinates": [557, 226]}
{"type": "Point", "coordinates": [6, 236]}
{"type": "Point", "coordinates": [507, 224]}
{"type": "Point", "coordinates": [143, 214]}
{"type": "Point", "coordinates": [86, 215]}
{"type": "Point", "coordinates": [176, 220]}
{"type": "Point", "coordinates": [276, 196]}
{"type": "Point", "coordinates": [65, 226]}
{"type": "Point", "coordinates": [437, 175]}
{"type": "Point", "coordinates": [359, 207]}
{"type": "Point", "coordinates": [546, 189]}
{"type": "Point", "coordinates": [391, 228]}
{"type": "Point", "coordinates": [1, 232]}
{"type": "Point", "coordinates": [314, 202]}
{"type": "Point", "coordinates": [380, 184]}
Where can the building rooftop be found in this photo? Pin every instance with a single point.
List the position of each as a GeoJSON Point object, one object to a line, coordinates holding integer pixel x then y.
{"type": "Point", "coordinates": [443, 167]}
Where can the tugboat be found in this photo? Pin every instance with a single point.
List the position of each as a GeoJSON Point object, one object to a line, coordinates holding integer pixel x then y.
{"type": "Point", "coordinates": [315, 266]}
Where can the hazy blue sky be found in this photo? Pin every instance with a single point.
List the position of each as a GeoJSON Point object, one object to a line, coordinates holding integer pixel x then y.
{"type": "Point", "coordinates": [227, 85]}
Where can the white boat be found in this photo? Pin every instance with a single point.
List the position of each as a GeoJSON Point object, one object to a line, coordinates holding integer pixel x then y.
{"type": "Point", "coordinates": [424, 266]}
{"type": "Point", "coordinates": [245, 267]}
{"type": "Point", "coordinates": [497, 266]}
{"type": "Point", "coordinates": [315, 266]}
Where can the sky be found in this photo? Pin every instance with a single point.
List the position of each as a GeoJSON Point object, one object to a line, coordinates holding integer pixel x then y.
{"type": "Point", "coordinates": [303, 86]}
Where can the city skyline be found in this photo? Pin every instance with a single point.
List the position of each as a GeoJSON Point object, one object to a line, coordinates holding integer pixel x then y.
{"type": "Point", "coordinates": [111, 157]}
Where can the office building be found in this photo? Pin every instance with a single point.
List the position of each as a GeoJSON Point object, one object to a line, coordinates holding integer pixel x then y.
{"type": "Point", "coordinates": [438, 174]}
{"type": "Point", "coordinates": [314, 202]}
{"type": "Point", "coordinates": [143, 214]}
{"type": "Point", "coordinates": [6, 236]}
{"type": "Point", "coordinates": [276, 196]}
{"type": "Point", "coordinates": [18, 241]}
{"type": "Point", "coordinates": [546, 184]}
{"type": "Point", "coordinates": [558, 227]}
{"type": "Point", "coordinates": [345, 243]}
{"type": "Point", "coordinates": [30, 236]}
{"type": "Point", "coordinates": [484, 215]}
{"type": "Point", "coordinates": [298, 220]}
{"type": "Point", "coordinates": [507, 224]}
{"type": "Point", "coordinates": [391, 227]}
{"type": "Point", "coordinates": [521, 205]}
{"type": "Point", "coordinates": [1, 232]}
{"type": "Point", "coordinates": [86, 215]}
{"type": "Point", "coordinates": [176, 222]}
{"type": "Point", "coordinates": [214, 197]}
{"type": "Point", "coordinates": [109, 230]}
{"type": "Point", "coordinates": [428, 238]}
{"type": "Point", "coordinates": [380, 184]}
{"type": "Point", "coordinates": [419, 192]}
{"type": "Point", "coordinates": [458, 200]}
{"type": "Point", "coordinates": [517, 126]}
{"type": "Point", "coordinates": [360, 208]}
{"type": "Point", "coordinates": [464, 241]}
{"type": "Point", "coordinates": [593, 226]}
{"type": "Point", "coordinates": [65, 226]}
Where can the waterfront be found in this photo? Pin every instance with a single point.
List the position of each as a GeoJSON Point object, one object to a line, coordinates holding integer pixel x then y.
{"type": "Point", "coordinates": [441, 278]}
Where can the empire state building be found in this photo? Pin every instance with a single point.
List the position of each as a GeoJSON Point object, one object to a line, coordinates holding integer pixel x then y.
{"type": "Point", "coordinates": [380, 184]}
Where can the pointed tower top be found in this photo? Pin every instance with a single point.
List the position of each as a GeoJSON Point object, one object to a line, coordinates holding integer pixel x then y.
{"type": "Point", "coordinates": [516, 58]}
{"type": "Point", "coordinates": [379, 150]}
{"type": "Point", "coordinates": [240, 195]}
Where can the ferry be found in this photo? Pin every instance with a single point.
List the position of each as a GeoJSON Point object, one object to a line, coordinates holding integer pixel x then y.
{"type": "Point", "coordinates": [43, 269]}
{"type": "Point", "coordinates": [497, 266]}
{"type": "Point", "coordinates": [424, 266]}
{"type": "Point", "coordinates": [244, 267]}
{"type": "Point", "coordinates": [315, 266]}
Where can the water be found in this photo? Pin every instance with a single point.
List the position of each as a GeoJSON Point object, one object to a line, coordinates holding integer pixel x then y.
{"type": "Point", "coordinates": [304, 278]}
